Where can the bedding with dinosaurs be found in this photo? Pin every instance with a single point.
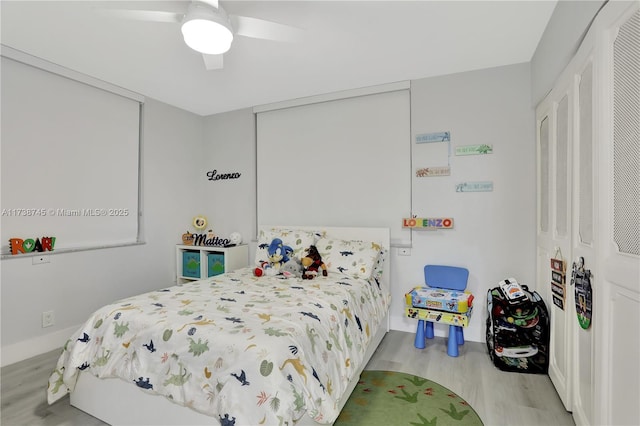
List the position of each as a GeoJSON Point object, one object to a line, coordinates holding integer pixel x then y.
{"type": "Point", "coordinates": [258, 350]}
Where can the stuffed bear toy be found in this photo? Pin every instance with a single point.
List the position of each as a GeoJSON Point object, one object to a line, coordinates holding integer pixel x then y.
{"type": "Point", "coordinates": [312, 264]}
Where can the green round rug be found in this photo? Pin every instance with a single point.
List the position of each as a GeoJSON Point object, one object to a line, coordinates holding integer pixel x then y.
{"type": "Point", "coordinates": [391, 398]}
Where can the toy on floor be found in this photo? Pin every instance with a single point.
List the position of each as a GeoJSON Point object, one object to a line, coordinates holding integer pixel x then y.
{"type": "Point", "coordinates": [444, 300]}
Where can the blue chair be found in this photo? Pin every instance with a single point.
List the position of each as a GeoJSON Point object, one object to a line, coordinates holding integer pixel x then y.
{"type": "Point", "coordinates": [450, 278]}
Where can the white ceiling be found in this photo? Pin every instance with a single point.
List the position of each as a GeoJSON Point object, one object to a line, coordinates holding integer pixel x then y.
{"type": "Point", "coordinates": [346, 45]}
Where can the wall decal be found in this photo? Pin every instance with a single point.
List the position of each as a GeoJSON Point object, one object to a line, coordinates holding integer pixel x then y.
{"type": "Point", "coordinates": [474, 149]}
{"type": "Point", "coordinates": [18, 245]}
{"type": "Point", "coordinates": [433, 171]}
{"type": "Point", "coordinates": [213, 175]}
{"type": "Point", "coordinates": [428, 223]}
{"type": "Point", "coordinates": [433, 137]}
{"type": "Point", "coordinates": [474, 187]}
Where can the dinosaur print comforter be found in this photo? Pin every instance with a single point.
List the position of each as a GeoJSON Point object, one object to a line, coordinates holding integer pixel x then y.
{"type": "Point", "coordinates": [242, 349]}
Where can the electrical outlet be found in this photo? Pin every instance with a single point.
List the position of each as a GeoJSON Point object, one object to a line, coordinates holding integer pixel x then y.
{"type": "Point", "coordinates": [39, 260]}
{"type": "Point", "coordinates": [404, 251]}
{"type": "Point", "coordinates": [48, 319]}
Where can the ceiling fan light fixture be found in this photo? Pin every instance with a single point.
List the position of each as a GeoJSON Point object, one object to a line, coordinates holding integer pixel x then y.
{"type": "Point", "coordinates": [206, 30]}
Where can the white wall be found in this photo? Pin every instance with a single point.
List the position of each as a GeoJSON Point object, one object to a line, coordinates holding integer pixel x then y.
{"type": "Point", "coordinates": [494, 232]}
{"type": "Point", "coordinates": [494, 235]}
{"type": "Point", "coordinates": [559, 42]}
{"type": "Point", "coordinates": [73, 285]}
{"type": "Point", "coordinates": [230, 146]}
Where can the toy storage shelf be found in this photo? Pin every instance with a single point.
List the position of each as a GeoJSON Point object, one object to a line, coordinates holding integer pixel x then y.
{"type": "Point", "coordinates": [197, 262]}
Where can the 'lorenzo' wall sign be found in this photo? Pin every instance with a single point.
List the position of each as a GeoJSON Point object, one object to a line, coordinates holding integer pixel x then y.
{"type": "Point", "coordinates": [428, 223]}
{"type": "Point", "coordinates": [213, 175]}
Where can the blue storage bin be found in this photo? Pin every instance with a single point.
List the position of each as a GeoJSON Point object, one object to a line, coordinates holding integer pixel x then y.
{"type": "Point", "coordinates": [215, 263]}
{"type": "Point", "coordinates": [191, 264]}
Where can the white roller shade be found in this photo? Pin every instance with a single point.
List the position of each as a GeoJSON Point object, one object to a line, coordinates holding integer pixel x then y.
{"type": "Point", "coordinates": [343, 162]}
{"type": "Point", "coordinates": [70, 160]}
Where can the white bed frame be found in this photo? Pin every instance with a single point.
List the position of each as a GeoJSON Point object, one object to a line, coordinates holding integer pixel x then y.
{"type": "Point", "coordinates": [117, 402]}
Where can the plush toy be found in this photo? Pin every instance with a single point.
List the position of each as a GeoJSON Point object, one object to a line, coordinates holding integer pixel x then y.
{"type": "Point", "coordinates": [277, 255]}
{"type": "Point", "coordinates": [312, 263]}
{"type": "Point", "coordinates": [292, 269]}
{"type": "Point", "coordinates": [262, 269]}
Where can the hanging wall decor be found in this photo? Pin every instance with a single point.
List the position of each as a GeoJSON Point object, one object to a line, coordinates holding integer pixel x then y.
{"type": "Point", "coordinates": [433, 137]}
{"type": "Point", "coordinates": [199, 222]}
{"type": "Point", "coordinates": [581, 280]}
{"type": "Point", "coordinates": [474, 149]}
{"type": "Point", "coordinates": [433, 171]}
{"type": "Point", "coordinates": [558, 280]}
{"type": "Point", "coordinates": [474, 187]}
{"type": "Point", "coordinates": [433, 155]}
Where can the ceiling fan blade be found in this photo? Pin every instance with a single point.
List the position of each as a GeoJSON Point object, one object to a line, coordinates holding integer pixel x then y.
{"type": "Point", "coordinates": [213, 62]}
{"type": "Point", "coordinates": [213, 3]}
{"type": "Point", "coordinates": [143, 15]}
{"type": "Point", "coordinates": [259, 28]}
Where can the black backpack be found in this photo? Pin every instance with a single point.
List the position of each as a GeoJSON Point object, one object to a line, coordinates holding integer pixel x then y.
{"type": "Point", "coordinates": [518, 333]}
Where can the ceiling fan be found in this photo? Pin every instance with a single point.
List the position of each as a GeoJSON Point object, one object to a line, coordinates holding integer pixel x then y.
{"type": "Point", "coordinates": [208, 29]}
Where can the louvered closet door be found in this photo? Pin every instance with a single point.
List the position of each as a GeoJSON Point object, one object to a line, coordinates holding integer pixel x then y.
{"type": "Point", "coordinates": [617, 282]}
{"type": "Point", "coordinates": [584, 244]}
{"type": "Point", "coordinates": [590, 124]}
{"type": "Point", "coordinates": [554, 226]}
{"type": "Point", "coordinates": [562, 323]}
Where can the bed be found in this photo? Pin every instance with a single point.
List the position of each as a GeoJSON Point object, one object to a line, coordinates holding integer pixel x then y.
{"type": "Point", "coordinates": [237, 349]}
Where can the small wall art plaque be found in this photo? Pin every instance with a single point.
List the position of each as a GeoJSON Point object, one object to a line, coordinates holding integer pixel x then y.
{"type": "Point", "coordinates": [558, 286]}
{"type": "Point", "coordinates": [433, 137]}
{"type": "Point", "coordinates": [433, 171]}
{"type": "Point", "coordinates": [474, 187]}
{"type": "Point", "coordinates": [474, 149]}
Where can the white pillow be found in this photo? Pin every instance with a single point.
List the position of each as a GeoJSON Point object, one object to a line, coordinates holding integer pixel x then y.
{"type": "Point", "coordinates": [297, 239]}
{"type": "Point", "coordinates": [378, 267]}
{"type": "Point", "coordinates": [353, 258]}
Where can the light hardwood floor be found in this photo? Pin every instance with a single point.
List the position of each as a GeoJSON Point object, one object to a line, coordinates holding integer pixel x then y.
{"type": "Point", "coordinates": [499, 398]}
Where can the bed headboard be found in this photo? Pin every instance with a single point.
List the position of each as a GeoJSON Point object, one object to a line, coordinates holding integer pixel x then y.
{"type": "Point", "coordinates": [378, 235]}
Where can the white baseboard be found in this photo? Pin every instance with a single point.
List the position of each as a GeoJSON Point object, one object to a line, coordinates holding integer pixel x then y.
{"type": "Point", "coordinates": [35, 346]}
